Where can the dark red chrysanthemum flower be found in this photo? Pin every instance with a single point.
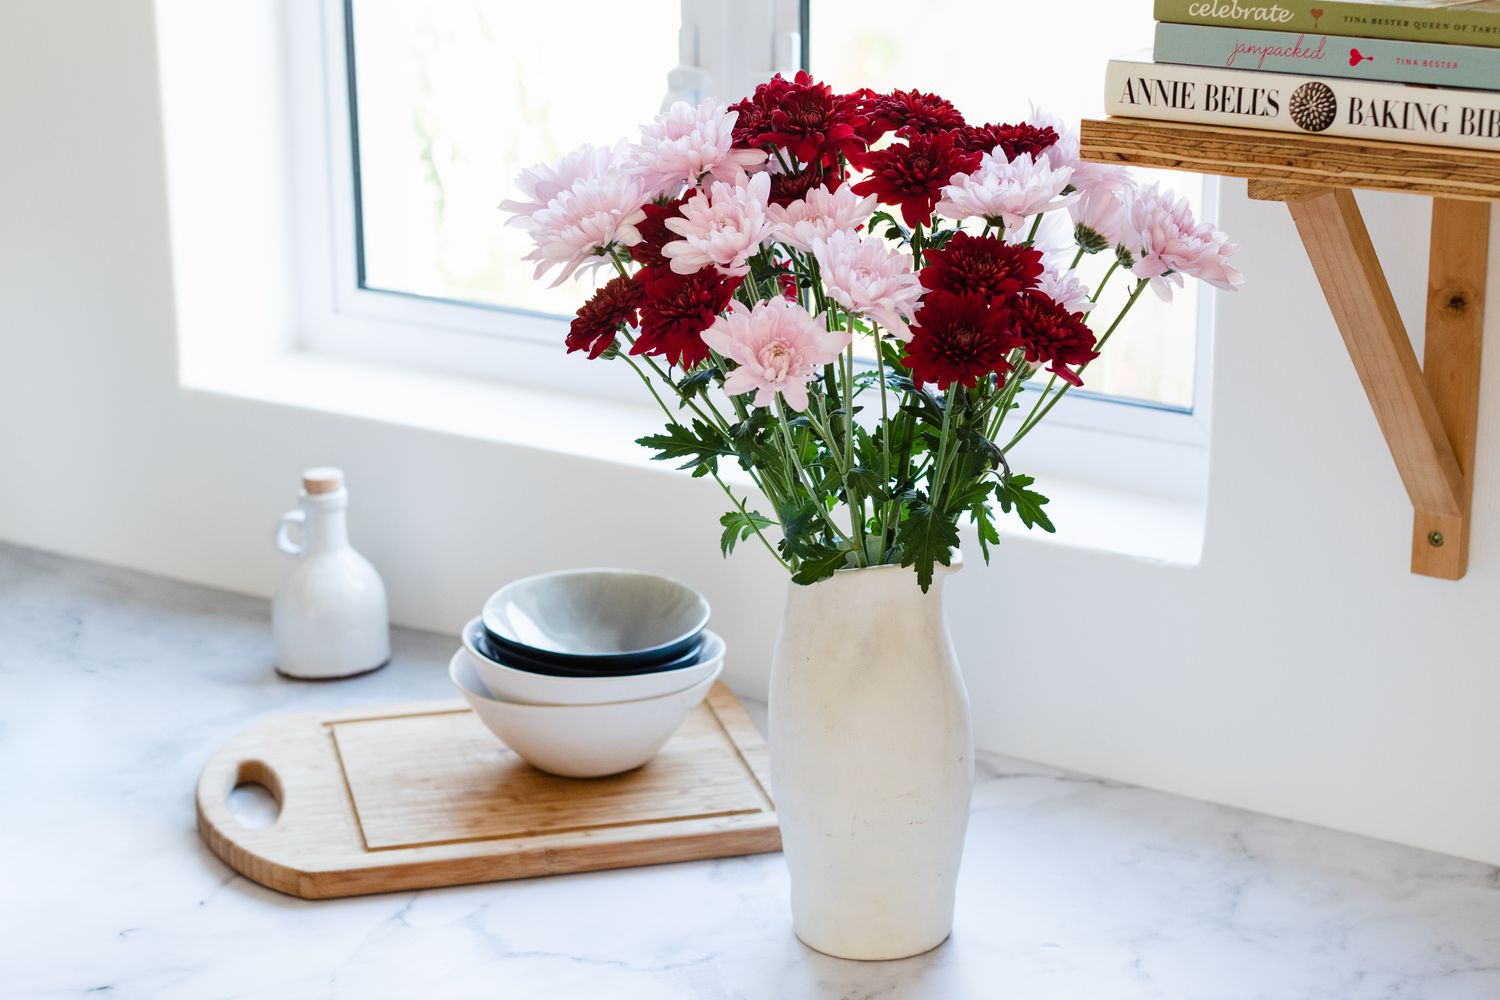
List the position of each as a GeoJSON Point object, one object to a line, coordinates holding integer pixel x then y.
{"type": "Point", "coordinates": [804, 117]}
{"type": "Point", "coordinates": [1012, 139]}
{"type": "Point", "coordinates": [754, 112]}
{"type": "Point", "coordinates": [912, 174]}
{"type": "Point", "coordinates": [982, 264]}
{"type": "Point", "coordinates": [959, 338]}
{"type": "Point", "coordinates": [787, 279]}
{"type": "Point", "coordinates": [1052, 335]}
{"type": "Point", "coordinates": [787, 188]}
{"type": "Point", "coordinates": [911, 112]}
{"type": "Point", "coordinates": [867, 101]}
{"type": "Point", "coordinates": [614, 305]}
{"type": "Point", "coordinates": [676, 311]}
{"type": "Point", "coordinates": [654, 231]}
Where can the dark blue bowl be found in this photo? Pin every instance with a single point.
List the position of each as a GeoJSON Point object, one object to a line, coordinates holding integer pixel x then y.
{"type": "Point", "coordinates": [612, 666]}
{"type": "Point", "coordinates": [679, 652]}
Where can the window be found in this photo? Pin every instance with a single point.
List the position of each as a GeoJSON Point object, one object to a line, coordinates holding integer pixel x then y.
{"type": "Point", "coordinates": [434, 107]}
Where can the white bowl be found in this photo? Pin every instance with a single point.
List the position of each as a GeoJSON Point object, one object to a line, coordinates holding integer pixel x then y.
{"type": "Point", "coordinates": [509, 683]}
{"type": "Point", "coordinates": [579, 741]}
{"type": "Point", "coordinates": [598, 614]}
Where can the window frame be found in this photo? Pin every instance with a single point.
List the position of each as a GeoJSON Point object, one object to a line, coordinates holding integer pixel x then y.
{"type": "Point", "coordinates": [342, 318]}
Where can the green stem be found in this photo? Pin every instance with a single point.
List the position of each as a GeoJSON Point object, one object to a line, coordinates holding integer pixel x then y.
{"type": "Point", "coordinates": [1026, 428]}
{"type": "Point", "coordinates": [1046, 392]}
{"type": "Point", "coordinates": [1007, 395]}
{"type": "Point", "coordinates": [824, 427]}
{"type": "Point", "coordinates": [801, 473]}
{"type": "Point", "coordinates": [1113, 267]}
{"type": "Point", "coordinates": [722, 485]}
{"type": "Point", "coordinates": [849, 404]}
{"type": "Point", "coordinates": [614, 258]}
{"type": "Point", "coordinates": [661, 373]}
{"type": "Point", "coordinates": [936, 485]}
{"type": "Point", "coordinates": [885, 437]}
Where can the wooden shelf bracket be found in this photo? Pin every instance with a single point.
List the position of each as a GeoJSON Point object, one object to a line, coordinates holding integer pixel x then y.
{"type": "Point", "coordinates": [1428, 411]}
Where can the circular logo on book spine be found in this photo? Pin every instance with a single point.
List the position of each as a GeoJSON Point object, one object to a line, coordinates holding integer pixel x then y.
{"type": "Point", "coordinates": [1313, 107]}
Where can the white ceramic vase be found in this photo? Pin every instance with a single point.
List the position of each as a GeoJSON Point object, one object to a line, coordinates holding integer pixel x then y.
{"type": "Point", "coordinates": [872, 762]}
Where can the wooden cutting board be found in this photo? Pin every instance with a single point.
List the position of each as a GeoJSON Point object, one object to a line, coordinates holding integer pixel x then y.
{"type": "Point", "coordinates": [420, 796]}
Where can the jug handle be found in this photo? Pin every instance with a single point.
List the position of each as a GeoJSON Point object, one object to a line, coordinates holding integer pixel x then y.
{"type": "Point", "coordinates": [284, 540]}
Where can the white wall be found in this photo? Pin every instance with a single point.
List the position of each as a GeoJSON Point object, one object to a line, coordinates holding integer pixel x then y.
{"type": "Point", "coordinates": [1299, 670]}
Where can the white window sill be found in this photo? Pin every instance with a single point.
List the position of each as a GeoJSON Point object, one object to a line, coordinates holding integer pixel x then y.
{"type": "Point", "coordinates": [1090, 516]}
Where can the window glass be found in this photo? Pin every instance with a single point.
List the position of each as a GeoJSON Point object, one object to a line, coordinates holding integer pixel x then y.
{"type": "Point", "coordinates": [454, 97]}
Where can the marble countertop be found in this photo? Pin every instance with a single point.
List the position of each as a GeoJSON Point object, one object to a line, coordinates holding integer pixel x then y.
{"type": "Point", "coordinates": [115, 688]}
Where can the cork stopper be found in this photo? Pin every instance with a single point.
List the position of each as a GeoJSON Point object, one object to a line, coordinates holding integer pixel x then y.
{"type": "Point", "coordinates": [323, 479]}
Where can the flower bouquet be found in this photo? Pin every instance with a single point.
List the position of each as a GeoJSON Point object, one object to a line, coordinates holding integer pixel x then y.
{"type": "Point", "coordinates": [846, 295]}
{"type": "Point", "coordinates": [866, 303]}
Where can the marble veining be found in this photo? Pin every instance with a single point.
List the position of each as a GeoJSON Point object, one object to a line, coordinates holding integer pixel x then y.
{"type": "Point", "coordinates": [115, 688]}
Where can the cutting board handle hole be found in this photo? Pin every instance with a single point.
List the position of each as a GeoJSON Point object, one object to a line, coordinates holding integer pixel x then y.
{"type": "Point", "coordinates": [255, 796]}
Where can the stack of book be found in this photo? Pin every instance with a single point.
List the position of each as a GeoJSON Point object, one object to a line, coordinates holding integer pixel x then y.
{"type": "Point", "coordinates": [1423, 71]}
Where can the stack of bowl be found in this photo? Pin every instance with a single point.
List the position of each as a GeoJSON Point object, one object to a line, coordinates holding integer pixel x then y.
{"type": "Point", "coordinates": [585, 673]}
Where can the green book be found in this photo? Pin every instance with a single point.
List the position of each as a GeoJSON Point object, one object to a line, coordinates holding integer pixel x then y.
{"type": "Point", "coordinates": [1453, 22]}
{"type": "Point", "coordinates": [1470, 67]}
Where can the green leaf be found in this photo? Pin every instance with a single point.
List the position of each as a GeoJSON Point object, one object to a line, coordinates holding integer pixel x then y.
{"type": "Point", "coordinates": [697, 383]}
{"type": "Point", "coordinates": [750, 439]}
{"type": "Point", "coordinates": [701, 445]}
{"type": "Point", "coordinates": [820, 565]}
{"type": "Point", "coordinates": [800, 523]}
{"type": "Point", "coordinates": [984, 522]}
{"type": "Point", "coordinates": [1014, 491]}
{"type": "Point", "coordinates": [939, 239]}
{"type": "Point", "coordinates": [894, 230]}
{"type": "Point", "coordinates": [869, 483]}
{"type": "Point", "coordinates": [927, 537]}
{"type": "Point", "coordinates": [739, 526]}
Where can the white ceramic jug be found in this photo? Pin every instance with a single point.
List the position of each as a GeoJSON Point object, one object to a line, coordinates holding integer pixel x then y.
{"type": "Point", "coordinates": [328, 618]}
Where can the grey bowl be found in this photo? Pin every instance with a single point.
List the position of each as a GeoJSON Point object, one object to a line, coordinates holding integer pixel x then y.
{"type": "Point", "coordinates": [596, 618]}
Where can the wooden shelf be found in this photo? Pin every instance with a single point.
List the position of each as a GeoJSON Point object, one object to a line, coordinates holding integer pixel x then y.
{"type": "Point", "coordinates": [1428, 412]}
{"type": "Point", "coordinates": [1300, 159]}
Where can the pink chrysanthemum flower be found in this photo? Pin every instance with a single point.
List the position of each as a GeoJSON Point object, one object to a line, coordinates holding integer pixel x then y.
{"type": "Point", "coordinates": [542, 182]}
{"type": "Point", "coordinates": [688, 145]}
{"type": "Point", "coordinates": [1099, 213]}
{"type": "Point", "coordinates": [1064, 153]}
{"type": "Point", "coordinates": [1165, 242]}
{"type": "Point", "coordinates": [1065, 288]}
{"type": "Point", "coordinates": [1006, 191]}
{"type": "Point", "coordinates": [819, 215]}
{"type": "Point", "coordinates": [777, 345]}
{"type": "Point", "coordinates": [723, 226]}
{"type": "Point", "coordinates": [582, 225]}
{"type": "Point", "coordinates": [866, 277]}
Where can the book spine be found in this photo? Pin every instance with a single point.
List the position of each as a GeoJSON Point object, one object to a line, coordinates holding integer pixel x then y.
{"type": "Point", "coordinates": [1443, 25]}
{"type": "Point", "coordinates": [1354, 109]}
{"type": "Point", "coordinates": [1378, 59]}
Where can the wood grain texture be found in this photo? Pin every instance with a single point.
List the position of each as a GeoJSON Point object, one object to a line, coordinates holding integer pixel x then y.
{"type": "Point", "coordinates": [1306, 159]}
{"type": "Point", "coordinates": [421, 796]}
{"type": "Point", "coordinates": [1458, 260]}
{"type": "Point", "coordinates": [1260, 189]}
{"type": "Point", "coordinates": [1333, 231]}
